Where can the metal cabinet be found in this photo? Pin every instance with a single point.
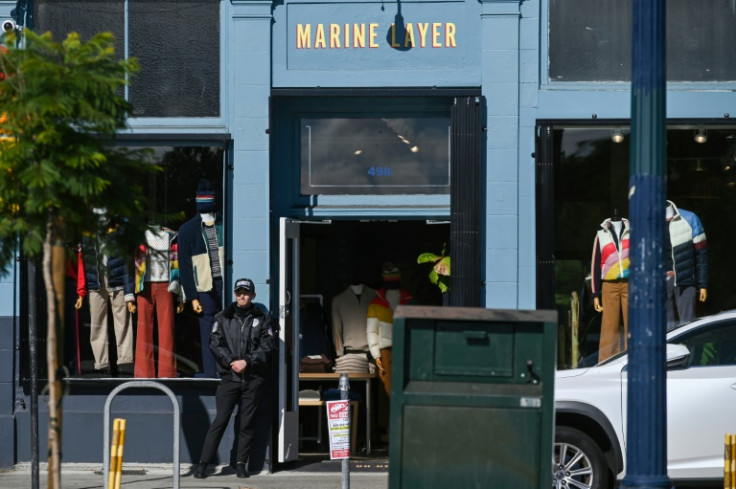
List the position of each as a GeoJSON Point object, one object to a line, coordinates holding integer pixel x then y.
{"type": "Point", "coordinates": [472, 398]}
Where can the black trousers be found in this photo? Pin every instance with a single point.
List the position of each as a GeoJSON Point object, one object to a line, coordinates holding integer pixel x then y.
{"type": "Point", "coordinates": [229, 394]}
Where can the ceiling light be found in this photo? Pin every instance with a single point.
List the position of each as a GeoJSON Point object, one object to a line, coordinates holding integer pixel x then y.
{"type": "Point", "coordinates": [617, 136]}
{"type": "Point", "coordinates": [701, 137]}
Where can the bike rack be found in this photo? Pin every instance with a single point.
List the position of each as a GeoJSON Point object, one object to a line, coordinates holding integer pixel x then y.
{"type": "Point", "coordinates": [147, 384]}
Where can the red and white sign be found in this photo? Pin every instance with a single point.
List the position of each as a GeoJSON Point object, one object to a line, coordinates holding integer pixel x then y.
{"type": "Point", "coordinates": [338, 425]}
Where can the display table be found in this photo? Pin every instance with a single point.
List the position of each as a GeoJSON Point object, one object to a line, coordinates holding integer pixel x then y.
{"type": "Point", "coordinates": [353, 377]}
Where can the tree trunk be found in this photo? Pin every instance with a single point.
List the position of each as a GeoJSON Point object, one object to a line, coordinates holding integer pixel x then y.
{"type": "Point", "coordinates": [51, 262]}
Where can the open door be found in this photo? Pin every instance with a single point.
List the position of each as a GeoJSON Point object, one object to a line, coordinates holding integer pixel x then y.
{"type": "Point", "coordinates": [288, 446]}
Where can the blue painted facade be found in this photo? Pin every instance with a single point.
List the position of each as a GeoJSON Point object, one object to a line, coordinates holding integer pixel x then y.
{"type": "Point", "coordinates": [498, 47]}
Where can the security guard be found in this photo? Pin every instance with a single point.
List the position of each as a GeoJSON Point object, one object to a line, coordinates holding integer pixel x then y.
{"type": "Point", "coordinates": [241, 341]}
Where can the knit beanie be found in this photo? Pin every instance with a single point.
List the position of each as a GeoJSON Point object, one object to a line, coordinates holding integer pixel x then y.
{"type": "Point", "coordinates": [205, 198]}
{"type": "Point", "coordinates": [390, 273]}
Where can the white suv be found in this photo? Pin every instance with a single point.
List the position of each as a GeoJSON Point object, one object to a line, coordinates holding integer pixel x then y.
{"type": "Point", "coordinates": [590, 409]}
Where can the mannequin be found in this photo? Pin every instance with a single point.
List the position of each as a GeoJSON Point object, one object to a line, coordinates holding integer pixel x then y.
{"type": "Point", "coordinates": [157, 276]}
{"type": "Point", "coordinates": [349, 312]}
{"type": "Point", "coordinates": [686, 263]}
{"type": "Point", "coordinates": [380, 318]}
{"type": "Point", "coordinates": [610, 272]}
{"type": "Point", "coordinates": [107, 279]}
{"type": "Point", "coordinates": [201, 264]}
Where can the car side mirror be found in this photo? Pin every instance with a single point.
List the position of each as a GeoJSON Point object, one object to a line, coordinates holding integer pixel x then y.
{"type": "Point", "coordinates": [678, 355]}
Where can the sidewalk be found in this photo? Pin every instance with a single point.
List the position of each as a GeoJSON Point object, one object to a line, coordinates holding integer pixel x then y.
{"type": "Point", "coordinates": [88, 476]}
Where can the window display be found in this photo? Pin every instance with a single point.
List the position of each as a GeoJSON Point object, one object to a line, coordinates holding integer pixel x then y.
{"type": "Point", "coordinates": [152, 339]}
{"type": "Point", "coordinates": [589, 179]}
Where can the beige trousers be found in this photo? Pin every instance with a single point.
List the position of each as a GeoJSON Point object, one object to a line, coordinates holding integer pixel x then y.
{"type": "Point", "coordinates": [123, 325]}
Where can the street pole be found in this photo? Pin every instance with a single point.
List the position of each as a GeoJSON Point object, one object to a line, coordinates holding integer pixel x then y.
{"type": "Point", "coordinates": [33, 360]}
{"type": "Point", "coordinates": [646, 461]}
{"type": "Point", "coordinates": [344, 387]}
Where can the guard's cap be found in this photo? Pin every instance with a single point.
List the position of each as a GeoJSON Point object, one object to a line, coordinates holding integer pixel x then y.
{"type": "Point", "coordinates": [245, 283]}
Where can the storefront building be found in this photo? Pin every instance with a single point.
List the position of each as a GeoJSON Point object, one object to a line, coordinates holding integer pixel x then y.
{"type": "Point", "coordinates": [338, 136]}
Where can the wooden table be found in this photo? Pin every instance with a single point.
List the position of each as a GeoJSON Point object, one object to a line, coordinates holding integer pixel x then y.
{"type": "Point", "coordinates": [352, 377]}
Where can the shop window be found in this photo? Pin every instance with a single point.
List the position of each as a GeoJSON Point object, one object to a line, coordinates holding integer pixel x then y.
{"type": "Point", "coordinates": [591, 41]}
{"type": "Point", "coordinates": [176, 42]}
{"type": "Point", "coordinates": [375, 155]}
{"type": "Point", "coordinates": [590, 180]}
{"type": "Point", "coordinates": [172, 194]}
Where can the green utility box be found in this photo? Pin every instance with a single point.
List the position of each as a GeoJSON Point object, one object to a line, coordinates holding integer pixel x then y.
{"type": "Point", "coordinates": [472, 398]}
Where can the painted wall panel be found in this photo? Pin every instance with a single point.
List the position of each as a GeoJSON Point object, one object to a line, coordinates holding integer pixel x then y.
{"type": "Point", "coordinates": [7, 433]}
{"type": "Point", "coordinates": [401, 44]}
{"type": "Point", "coordinates": [501, 165]}
{"type": "Point", "coordinates": [7, 292]}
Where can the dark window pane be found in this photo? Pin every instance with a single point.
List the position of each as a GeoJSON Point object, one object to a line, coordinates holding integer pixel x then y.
{"type": "Point", "coordinates": [375, 155]}
{"type": "Point", "coordinates": [176, 42]}
{"type": "Point", "coordinates": [178, 46]}
{"type": "Point", "coordinates": [591, 41]}
{"type": "Point", "coordinates": [87, 17]}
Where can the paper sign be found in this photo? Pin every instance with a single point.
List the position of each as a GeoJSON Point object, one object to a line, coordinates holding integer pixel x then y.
{"type": "Point", "coordinates": [338, 425]}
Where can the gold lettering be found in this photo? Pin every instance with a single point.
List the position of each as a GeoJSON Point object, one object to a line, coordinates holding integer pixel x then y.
{"type": "Point", "coordinates": [358, 35]}
{"type": "Point", "coordinates": [354, 35]}
{"type": "Point", "coordinates": [436, 35]}
{"type": "Point", "coordinates": [334, 36]}
{"type": "Point", "coordinates": [423, 34]}
{"type": "Point", "coordinates": [303, 36]}
{"type": "Point", "coordinates": [393, 36]}
{"type": "Point", "coordinates": [450, 35]}
{"type": "Point", "coordinates": [409, 39]}
{"type": "Point", "coordinates": [373, 29]}
{"type": "Point", "coordinates": [319, 37]}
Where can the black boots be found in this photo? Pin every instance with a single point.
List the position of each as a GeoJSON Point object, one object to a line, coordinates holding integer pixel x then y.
{"type": "Point", "coordinates": [199, 470]}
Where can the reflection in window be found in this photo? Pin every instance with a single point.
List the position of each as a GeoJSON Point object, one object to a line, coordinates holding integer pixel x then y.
{"type": "Point", "coordinates": [172, 195]}
{"type": "Point", "coordinates": [591, 182]}
{"type": "Point", "coordinates": [375, 155]}
{"type": "Point", "coordinates": [713, 346]}
{"type": "Point", "coordinates": [177, 44]}
{"type": "Point", "coordinates": [591, 41]}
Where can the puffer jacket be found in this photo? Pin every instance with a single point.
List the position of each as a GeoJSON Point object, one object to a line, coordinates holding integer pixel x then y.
{"type": "Point", "coordinates": [687, 250]}
{"type": "Point", "coordinates": [117, 269]}
{"type": "Point", "coordinates": [248, 338]}
{"type": "Point", "coordinates": [379, 326]}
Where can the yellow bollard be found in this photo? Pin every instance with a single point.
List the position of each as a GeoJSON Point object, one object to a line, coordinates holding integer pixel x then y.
{"type": "Point", "coordinates": [121, 443]}
{"type": "Point", "coordinates": [729, 463]}
{"type": "Point", "coordinates": [733, 461]}
{"type": "Point", "coordinates": [114, 453]}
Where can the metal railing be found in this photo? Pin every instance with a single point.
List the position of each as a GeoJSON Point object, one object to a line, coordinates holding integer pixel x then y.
{"type": "Point", "coordinates": [145, 384]}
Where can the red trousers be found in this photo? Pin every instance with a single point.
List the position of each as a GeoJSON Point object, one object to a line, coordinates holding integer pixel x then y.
{"type": "Point", "coordinates": [155, 299]}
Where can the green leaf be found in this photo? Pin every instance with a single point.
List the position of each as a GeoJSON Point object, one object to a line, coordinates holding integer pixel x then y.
{"type": "Point", "coordinates": [428, 257]}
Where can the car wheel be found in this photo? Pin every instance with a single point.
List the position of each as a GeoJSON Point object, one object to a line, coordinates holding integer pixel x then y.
{"type": "Point", "coordinates": [578, 462]}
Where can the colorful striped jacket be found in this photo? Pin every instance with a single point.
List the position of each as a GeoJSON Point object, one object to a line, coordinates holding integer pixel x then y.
{"type": "Point", "coordinates": [381, 319]}
{"type": "Point", "coordinates": [610, 255]}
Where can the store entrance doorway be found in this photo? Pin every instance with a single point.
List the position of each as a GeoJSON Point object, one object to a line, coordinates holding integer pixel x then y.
{"type": "Point", "coordinates": [318, 259]}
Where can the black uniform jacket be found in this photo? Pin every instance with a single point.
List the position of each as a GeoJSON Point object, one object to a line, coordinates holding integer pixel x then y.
{"type": "Point", "coordinates": [248, 338]}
